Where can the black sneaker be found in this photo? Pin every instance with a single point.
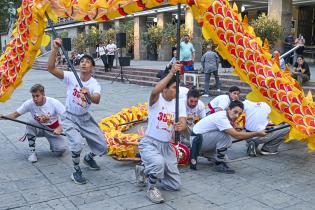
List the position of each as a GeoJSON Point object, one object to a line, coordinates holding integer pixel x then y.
{"type": "Point", "coordinates": [78, 178]}
{"type": "Point", "coordinates": [222, 167]}
{"type": "Point", "coordinates": [252, 149]}
{"type": "Point", "coordinates": [90, 162]}
{"type": "Point", "coordinates": [193, 164]}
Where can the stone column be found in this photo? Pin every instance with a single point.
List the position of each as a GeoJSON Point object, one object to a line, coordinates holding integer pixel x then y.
{"type": "Point", "coordinates": [116, 25]}
{"type": "Point", "coordinates": [195, 32]}
{"type": "Point", "coordinates": [165, 49]}
{"type": "Point", "coordinates": [86, 28]}
{"type": "Point", "coordinates": [281, 11]}
{"type": "Point", "coordinates": [101, 26]}
{"type": "Point", "coordinates": [140, 50]}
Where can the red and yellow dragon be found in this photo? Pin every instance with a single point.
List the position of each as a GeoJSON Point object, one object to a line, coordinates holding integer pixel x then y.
{"type": "Point", "coordinates": [220, 22]}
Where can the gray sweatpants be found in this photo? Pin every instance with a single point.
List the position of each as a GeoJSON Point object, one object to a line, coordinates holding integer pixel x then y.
{"type": "Point", "coordinates": [78, 127]}
{"type": "Point", "coordinates": [217, 141]}
{"type": "Point", "coordinates": [271, 141]}
{"type": "Point", "coordinates": [57, 143]}
{"type": "Point", "coordinates": [159, 160]}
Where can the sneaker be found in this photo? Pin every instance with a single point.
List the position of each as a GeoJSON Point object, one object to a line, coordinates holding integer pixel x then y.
{"type": "Point", "coordinates": [219, 90]}
{"type": "Point", "coordinates": [264, 152]}
{"type": "Point", "coordinates": [251, 149]}
{"type": "Point", "coordinates": [91, 163]}
{"type": "Point", "coordinates": [205, 95]}
{"type": "Point", "coordinates": [140, 177]}
{"type": "Point", "coordinates": [155, 195]}
{"type": "Point", "coordinates": [32, 158]}
{"type": "Point", "coordinates": [222, 167]}
{"type": "Point", "coordinates": [78, 178]}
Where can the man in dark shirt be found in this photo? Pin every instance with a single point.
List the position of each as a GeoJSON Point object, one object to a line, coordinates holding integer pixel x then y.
{"type": "Point", "coordinates": [288, 45]}
{"type": "Point", "coordinates": [301, 70]}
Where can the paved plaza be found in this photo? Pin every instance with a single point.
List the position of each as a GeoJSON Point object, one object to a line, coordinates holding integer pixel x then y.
{"type": "Point", "coordinates": [284, 181]}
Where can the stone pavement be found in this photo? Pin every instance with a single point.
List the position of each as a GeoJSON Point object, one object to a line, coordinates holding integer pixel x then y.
{"type": "Point", "coordinates": [284, 181]}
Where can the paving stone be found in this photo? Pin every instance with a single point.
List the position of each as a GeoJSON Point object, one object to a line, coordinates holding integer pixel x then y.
{"type": "Point", "coordinates": [276, 199]}
{"type": "Point", "coordinates": [90, 197]}
{"type": "Point", "coordinates": [40, 194]}
{"type": "Point", "coordinates": [104, 204]}
{"type": "Point", "coordinates": [300, 206]}
{"type": "Point", "coordinates": [11, 200]}
{"type": "Point", "coordinates": [191, 202]}
{"type": "Point", "coordinates": [245, 204]}
{"type": "Point", "coordinates": [122, 189]}
{"type": "Point", "coordinates": [132, 201]}
{"type": "Point", "coordinates": [155, 207]}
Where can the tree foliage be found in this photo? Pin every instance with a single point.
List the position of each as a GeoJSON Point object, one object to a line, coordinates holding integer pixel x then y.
{"type": "Point", "coordinates": [267, 29]}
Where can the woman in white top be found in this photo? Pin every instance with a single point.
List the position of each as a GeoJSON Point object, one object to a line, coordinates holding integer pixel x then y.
{"type": "Point", "coordinates": [101, 53]}
{"type": "Point", "coordinates": [111, 48]}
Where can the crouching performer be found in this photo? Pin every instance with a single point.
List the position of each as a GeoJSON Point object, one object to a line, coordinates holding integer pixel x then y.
{"type": "Point", "coordinates": [158, 157]}
{"type": "Point", "coordinates": [216, 133]}
{"type": "Point", "coordinates": [257, 118]}
{"type": "Point", "coordinates": [46, 113]}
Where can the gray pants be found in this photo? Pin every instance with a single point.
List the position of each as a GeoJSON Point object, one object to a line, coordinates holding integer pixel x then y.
{"type": "Point", "coordinates": [271, 141]}
{"type": "Point", "coordinates": [207, 81]}
{"type": "Point", "coordinates": [159, 160]}
{"type": "Point", "coordinates": [217, 141]}
{"type": "Point", "coordinates": [57, 143]}
{"type": "Point", "coordinates": [78, 127]}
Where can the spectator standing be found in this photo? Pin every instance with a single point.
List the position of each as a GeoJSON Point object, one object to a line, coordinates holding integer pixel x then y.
{"type": "Point", "coordinates": [210, 61]}
{"type": "Point", "coordinates": [110, 48]}
{"type": "Point", "coordinates": [300, 41]}
{"type": "Point", "coordinates": [187, 54]}
{"type": "Point", "coordinates": [101, 53]}
{"type": "Point", "coordinates": [288, 45]}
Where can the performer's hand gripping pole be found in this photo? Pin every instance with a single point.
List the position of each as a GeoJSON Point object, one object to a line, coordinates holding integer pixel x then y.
{"type": "Point", "coordinates": [177, 135]}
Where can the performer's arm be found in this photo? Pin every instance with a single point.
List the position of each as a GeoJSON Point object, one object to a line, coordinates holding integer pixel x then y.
{"type": "Point", "coordinates": [58, 130]}
{"type": "Point", "coordinates": [162, 84]}
{"type": "Point", "coordinates": [95, 97]}
{"type": "Point", "coordinates": [244, 135]}
{"type": "Point", "coordinates": [52, 60]}
{"type": "Point", "coordinates": [12, 115]}
{"type": "Point", "coordinates": [181, 125]}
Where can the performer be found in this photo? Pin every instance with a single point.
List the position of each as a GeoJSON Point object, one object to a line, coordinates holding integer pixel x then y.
{"type": "Point", "coordinates": [215, 132]}
{"type": "Point", "coordinates": [195, 110]}
{"type": "Point", "coordinates": [257, 118]}
{"type": "Point", "coordinates": [77, 121]}
{"type": "Point", "coordinates": [222, 102]}
{"type": "Point", "coordinates": [159, 159]}
{"type": "Point", "coordinates": [46, 112]}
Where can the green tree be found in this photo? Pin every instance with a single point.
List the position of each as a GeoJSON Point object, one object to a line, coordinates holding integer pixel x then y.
{"type": "Point", "coordinates": [78, 44]}
{"type": "Point", "coordinates": [267, 29]}
{"type": "Point", "coordinates": [170, 32]}
{"type": "Point", "coordinates": [127, 26]}
{"type": "Point", "coordinates": [153, 39]}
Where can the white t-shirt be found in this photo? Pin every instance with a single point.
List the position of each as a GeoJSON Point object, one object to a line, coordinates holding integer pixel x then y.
{"type": "Point", "coordinates": [214, 122]}
{"type": "Point", "coordinates": [221, 101]}
{"type": "Point", "coordinates": [74, 103]}
{"type": "Point", "coordinates": [111, 49]}
{"type": "Point", "coordinates": [100, 50]}
{"type": "Point", "coordinates": [47, 114]}
{"type": "Point", "coordinates": [257, 115]}
{"type": "Point", "coordinates": [192, 113]}
{"type": "Point", "coordinates": [183, 92]}
{"type": "Point", "coordinates": [161, 119]}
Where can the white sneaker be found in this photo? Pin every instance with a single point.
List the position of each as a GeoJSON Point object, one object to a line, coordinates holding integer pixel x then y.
{"type": "Point", "coordinates": [32, 158]}
{"type": "Point", "coordinates": [205, 95]}
{"type": "Point", "coordinates": [218, 90]}
{"type": "Point", "coordinates": [155, 195]}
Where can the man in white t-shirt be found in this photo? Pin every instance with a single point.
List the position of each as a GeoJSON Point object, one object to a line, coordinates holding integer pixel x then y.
{"type": "Point", "coordinates": [257, 118]}
{"type": "Point", "coordinates": [111, 48]}
{"type": "Point", "coordinates": [101, 53]}
{"type": "Point", "coordinates": [195, 110]}
{"type": "Point", "coordinates": [77, 121]}
{"type": "Point", "coordinates": [46, 113]}
{"type": "Point", "coordinates": [157, 155]}
{"type": "Point", "coordinates": [222, 102]}
{"type": "Point", "coordinates": [215, 133]}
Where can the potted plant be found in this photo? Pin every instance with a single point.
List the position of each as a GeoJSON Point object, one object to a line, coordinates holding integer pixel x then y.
{"type": "Point", "coordinates": [153, 39]}
{"type": "Point", "coordinates": [78, 43]}
{"type": "Point", "coordinates": [267, 29]}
